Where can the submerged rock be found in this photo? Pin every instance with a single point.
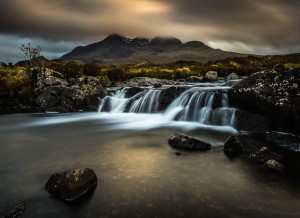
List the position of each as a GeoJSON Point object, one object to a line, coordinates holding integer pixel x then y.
{"type": "Point", "coordinates": [70, 185]}
{"type": "Point", "coordinates": [184, 142]}
{"type": "Point", "coordinates": [233, 146]}
{"type": "Point", "coordinates": [17, 211]}
{"type": "Point", "coordinates": [264, 154]}
{"type": "Point", "coordinates": [274, 165]}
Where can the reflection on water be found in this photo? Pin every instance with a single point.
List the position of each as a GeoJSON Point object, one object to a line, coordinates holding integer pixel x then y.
{"type": "Point", "coordinates": [139, 175]}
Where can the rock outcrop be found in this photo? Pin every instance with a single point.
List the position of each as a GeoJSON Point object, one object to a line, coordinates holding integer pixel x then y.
{"type": "Point", "coordinates": [210, 76]}
{"type": "Point", "coordinates": [275, 94]}
{"type": "Point", "coordinates": [184, 142]}
{"type": "Point", "coordinates": [17, 211]}
{"type": "Point", "coordinates": [56, 93]}
{"type": "Point", "coordinates": [70, 185]}
{"type": "Point", "coordinates": [233, 146]}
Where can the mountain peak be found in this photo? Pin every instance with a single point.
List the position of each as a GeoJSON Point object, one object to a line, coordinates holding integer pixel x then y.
{"type": "Point", "coordinates": [119, 49]}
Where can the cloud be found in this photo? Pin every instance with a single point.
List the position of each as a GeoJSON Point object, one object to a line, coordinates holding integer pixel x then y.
{"type": "Point", "coordinates": [243, 26]}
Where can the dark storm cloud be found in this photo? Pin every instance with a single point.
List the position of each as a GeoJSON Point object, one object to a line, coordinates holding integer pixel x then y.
{"type": "Point", "coordinates": [250, 26]}
{"type": "Point", "coordinates": [271, 22]}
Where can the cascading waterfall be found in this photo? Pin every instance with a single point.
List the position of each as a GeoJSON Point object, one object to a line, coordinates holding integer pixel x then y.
{"type": "Point", "coordinates": [207, 106]}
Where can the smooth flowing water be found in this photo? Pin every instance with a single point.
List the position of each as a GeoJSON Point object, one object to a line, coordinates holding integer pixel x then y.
{"type": "Point", "coordinates": [138, 173]}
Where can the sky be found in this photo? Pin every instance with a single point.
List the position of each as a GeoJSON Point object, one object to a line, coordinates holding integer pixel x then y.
{"type": "Point", "coordinates": [246, 26]}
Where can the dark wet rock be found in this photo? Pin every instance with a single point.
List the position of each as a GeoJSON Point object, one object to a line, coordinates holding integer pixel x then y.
{"type": "Point", "coordinates": [194, 79]}
{"type": "Point", "coordinates": [133, 91]}
{"type": "Point", "coordinates": [248, 121]}
{"type": "Point", "coordinates": [232, 76]}
{"type": "Point", "coordinates": [184, 142]}
{"type": "Point", "coordinates": [210, 76]}
{"type": "Point", "coordinates": [178, 153]}
{"type": "Point", "coordinates": [274, 165]}
{"type": "Point", "coordinates": [264, 154]}
{"type": "Point", "coordinates": [70, 185]}
{"type": "Point", "coordinates": [233, 146]}
{"type": "Point", "coordinates": [273, 94]}
{"type": "Point", "coordinates": [169, 94]}
{"type": "Point", "coordinates": [157, 85]}
{"type": "Point", "coordinates": [53, 91]}
{"type": "Point", "coordinates": [17, 211]}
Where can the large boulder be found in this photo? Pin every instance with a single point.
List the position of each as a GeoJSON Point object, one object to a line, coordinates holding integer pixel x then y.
{"type": "Point", "coordinates": [184, 142]}
{"type": "Point", "coordinates": [17, 211]}
{"type": "Point", "coordinates": [168, 95]}
{"type": "Point", "coordinates": [55, 93]}
{"type": "Point", "coordinates": [273, 94]}
{"type": "Point", "coordinates": [70, 185]}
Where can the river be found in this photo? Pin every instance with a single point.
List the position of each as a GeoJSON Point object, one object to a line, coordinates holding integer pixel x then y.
{"type": "Point", "coordinates": [139, 174]}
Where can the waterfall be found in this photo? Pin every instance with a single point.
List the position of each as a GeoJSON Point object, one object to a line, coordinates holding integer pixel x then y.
{"type": "Point", "coordinates": [207, 105]}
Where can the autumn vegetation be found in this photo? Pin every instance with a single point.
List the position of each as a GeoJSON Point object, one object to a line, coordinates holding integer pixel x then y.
{"type": "Point", "coordinates": [15, 88]}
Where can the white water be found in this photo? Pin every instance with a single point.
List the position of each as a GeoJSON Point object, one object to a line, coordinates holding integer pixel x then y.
{"type": "Point", "coordinates": [205, 106]}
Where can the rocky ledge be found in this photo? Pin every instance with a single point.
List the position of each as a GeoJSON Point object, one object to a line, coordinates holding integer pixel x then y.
{"type": "Point", "coordinates": [54, 92]}
{"type": "Point", "coordinates": [274, 94]}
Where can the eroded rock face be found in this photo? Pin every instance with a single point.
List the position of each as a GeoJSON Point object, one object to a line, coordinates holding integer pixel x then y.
{"type": "Point", "coordinates": [273, 94]}
{"type": "Point", "coordinates": [70, 185]}
{"type": "Point", "coordinates": [233, 146]}
{"type": "Point", "coordinates": [17, 211]}
{"type": "Point", "coordinates": [55, 93]}
{"type": "Point", "coordinates": [184, 142]}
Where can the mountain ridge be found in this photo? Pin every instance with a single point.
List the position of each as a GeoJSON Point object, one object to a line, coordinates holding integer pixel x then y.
{"type": "Point", "coordinates": [118, 49]}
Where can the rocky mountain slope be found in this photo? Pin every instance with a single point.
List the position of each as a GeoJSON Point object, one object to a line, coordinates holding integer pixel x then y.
{"type": "Point", "coordinates": [116, 49]}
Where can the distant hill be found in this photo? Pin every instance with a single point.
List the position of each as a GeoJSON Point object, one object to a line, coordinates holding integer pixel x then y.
{"type": "Point", "coordinates": [117, 49]}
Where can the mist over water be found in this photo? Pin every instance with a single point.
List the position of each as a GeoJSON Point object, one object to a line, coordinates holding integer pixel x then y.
{"type": "Point", "coordinates": [138, 173]}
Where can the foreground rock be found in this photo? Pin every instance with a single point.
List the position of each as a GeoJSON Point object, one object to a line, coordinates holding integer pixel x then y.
{"type": "Point", "coordinates": [184, 142]}
{"type": "Point", "coordinates": [264, 154]}
{"type": "Point", "coordinates": [274, 94]}
{"type": "Point", "coordinates": [233, 146]}
{"type": "Point", "coordinates": [56, 93]}
{"type": "Point", "coordinates": [274, 165]}
{"type": "Point", "coordinates": [70, 185]}
{"type": "Point", "coordinates": [16, 212]}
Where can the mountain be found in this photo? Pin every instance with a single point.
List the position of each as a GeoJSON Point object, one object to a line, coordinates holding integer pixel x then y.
{"type": "Point", "coordinates": [117, 49]}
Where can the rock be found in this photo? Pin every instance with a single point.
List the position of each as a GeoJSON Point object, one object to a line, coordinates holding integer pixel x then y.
{"type": "Point", "coordinates": [273, 94]}
{"type": "Point", "coordinates": [184, 142]}
{"type": "Point", "coordinates": [157, 85]}
{"type": "Point", "coordinates": [233, 146]}
{"type": "Point", "coordinates": [194, 79]}
{"type": "Point", "coordinates": [169, 94]}
{"type": "Point", "coordinates": [210, 76]}
{"type": "Point", "coordinates": [145, 81]}
{"type": "Point", "coordinates": [54, 92]}
{"type": "Point", "coordinates": [274, 165]}
{"type": "Point", "coordinates": [17, 211]}
{"type": "Point", "coordinates": [133, 91]}
{"type": "Point", "coordinates": [232, 76]}
{"type": "Point", "coordinates": [70, 185]}
{"type": "Point", "coordinates": [248, 121]}
{"type": "Point", "coordinates": [264, 154]}
{"type": "Point", "coordinates": [178, 153]}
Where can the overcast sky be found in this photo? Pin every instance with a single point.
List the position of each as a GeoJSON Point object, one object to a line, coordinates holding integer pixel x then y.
{"type": "Point", "coordinates": [247, 26]}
